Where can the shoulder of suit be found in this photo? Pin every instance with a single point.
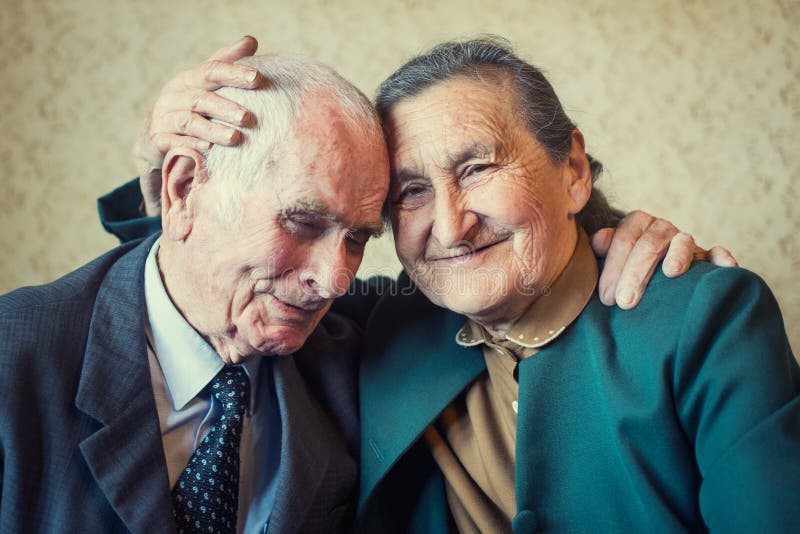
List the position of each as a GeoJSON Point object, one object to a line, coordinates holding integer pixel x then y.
{"type": "Point", "coordinates": [80, 284]}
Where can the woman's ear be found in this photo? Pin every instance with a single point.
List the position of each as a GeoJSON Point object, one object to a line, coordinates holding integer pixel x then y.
{"type": "Point", "coordinates": [181, 174]}
{"type": "Point", "coordinates": [579, 184]}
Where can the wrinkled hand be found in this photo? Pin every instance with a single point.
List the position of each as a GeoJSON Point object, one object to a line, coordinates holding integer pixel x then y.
{"type": "Point", "coordinates": [633, 250]}
{"type": "Point", "coordinates": [180, 116]}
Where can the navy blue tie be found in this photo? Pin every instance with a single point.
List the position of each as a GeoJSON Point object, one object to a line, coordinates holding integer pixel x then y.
{"type": "Point", "coordinates": [206, 496]}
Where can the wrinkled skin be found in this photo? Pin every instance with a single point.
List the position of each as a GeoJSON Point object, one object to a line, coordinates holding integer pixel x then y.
{"type": "Point", "coordinates": [180, 118]}
{"type": "Point", "coordinates": [483, 220]}
{"type": "Point", "coordinates": [261, 284]}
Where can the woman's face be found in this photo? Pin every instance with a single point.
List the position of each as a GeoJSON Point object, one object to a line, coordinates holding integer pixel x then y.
{"type": "Point", "coordinates": [483, 220]}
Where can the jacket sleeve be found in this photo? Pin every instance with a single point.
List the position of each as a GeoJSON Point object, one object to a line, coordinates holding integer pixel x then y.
{"type": "Point", "coordinates": [120, 216]}
{"type": "Point", "coordinates": [737, 392]}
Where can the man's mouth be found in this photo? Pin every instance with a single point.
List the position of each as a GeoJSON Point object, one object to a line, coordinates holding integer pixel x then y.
{"type": "Point", "coordinates": [306, 304]}
{"type": "Point", "coordinates": [303, 307]}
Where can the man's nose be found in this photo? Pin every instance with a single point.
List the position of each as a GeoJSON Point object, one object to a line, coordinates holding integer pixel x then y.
{"type": "Point", "coordinates": [452, 219]}
{"type": "Point", "coordinates": [328, 273]}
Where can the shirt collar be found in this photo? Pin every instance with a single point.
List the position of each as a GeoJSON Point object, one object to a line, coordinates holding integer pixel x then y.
{"type": "Point", "coordinates": [187, 361]}
{"type": "Point", "coordinates": [550, 314]}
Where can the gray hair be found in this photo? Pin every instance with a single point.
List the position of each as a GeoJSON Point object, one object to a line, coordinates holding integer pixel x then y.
{"type": "Point", "coordinates": [537, 102]}
{"type": "Point", "coordinates": [289, 80]}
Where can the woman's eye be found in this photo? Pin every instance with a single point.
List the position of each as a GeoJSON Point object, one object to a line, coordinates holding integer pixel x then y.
{"type": "Point", "coordinates": [476, 169]}
{"type": "Point", "coordinates": [412, 191]}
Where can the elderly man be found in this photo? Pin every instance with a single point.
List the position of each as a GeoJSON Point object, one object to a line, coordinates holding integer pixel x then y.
{"type": "Point", "coordinates": [135, 387]}
{"type": "Point", "coordinates": [527, 404]}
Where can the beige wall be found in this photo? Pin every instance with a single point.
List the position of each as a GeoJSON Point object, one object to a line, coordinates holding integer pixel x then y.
{"type": "Point", "coordinates": [692, 106]}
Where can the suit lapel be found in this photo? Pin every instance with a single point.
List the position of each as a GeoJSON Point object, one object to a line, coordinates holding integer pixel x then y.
{"type": "Point", "coordinates": [305, 455]}
{"type": "Point", "coordinates": [411, 370]}
{"type": "Point", "coordinates": [125, 455]}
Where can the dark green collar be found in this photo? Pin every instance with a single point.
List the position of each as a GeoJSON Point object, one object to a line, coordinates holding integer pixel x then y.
{"type": "Point", "coordinates": [411, 370]}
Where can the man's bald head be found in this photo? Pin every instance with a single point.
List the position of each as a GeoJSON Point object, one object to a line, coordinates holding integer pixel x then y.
{"type": "Point", "coordinates": [294, 87]}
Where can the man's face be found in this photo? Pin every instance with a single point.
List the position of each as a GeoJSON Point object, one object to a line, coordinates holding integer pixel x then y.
{"type": "Point", "coordinates": [482, 218]}
{"type": "Point", "coordinates": [269, 278]}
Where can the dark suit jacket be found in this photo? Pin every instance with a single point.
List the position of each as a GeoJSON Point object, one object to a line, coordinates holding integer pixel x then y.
{"type": "Point", "coordinates": [80, 448]}
{"type": "Point", "coordinates": [680, 415]}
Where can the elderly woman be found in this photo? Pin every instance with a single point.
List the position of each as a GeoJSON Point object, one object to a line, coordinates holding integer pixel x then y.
{"type": "Point", "coordinates": [528, 404]}
{"type": "Point", "coordinates": [504, 396]}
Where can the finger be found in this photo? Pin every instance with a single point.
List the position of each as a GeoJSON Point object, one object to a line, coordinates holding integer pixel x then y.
{"type": "Point", "coordinates": [679, 256]}
{"type": "Point", "coordinates": [150, 185]}
{"type": "Point", "coordinates": [205, 103]}
{"type": "Point", "coordinates": [722, 257]}
{"type": "Point", "coordinates": [211, 75]}
{"type": "Point", "coordinates": [188, 123]}
{"type": "Point", "coordinates": [246, 46]}
{"type": "Point", "coordinates": [642, 262]}
{"type": "Point", "coordinates": [601, 240]}
{"type": "Point", "coordinates": [165, 142]}
{"type": "Point", "coordinates": [627, 232]}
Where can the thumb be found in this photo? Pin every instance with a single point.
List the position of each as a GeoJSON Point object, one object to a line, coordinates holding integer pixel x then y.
{"type": "Point", "coordinates": [246, 46]}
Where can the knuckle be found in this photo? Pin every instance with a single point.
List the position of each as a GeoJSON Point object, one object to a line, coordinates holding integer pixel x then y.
{"type": "Point", "coordinates": [622, 244]}
{"type": "Point", "coordinates": [197, 101]}
{"type": "Point", "coordinates": [640, 217]}
{"type": "Point", "coordinates": [663, 227]}
{"type": "Point", "coordinates": [684, 238]}
{"type": "Point", "coordinates": [210, 70]}
{"type": "Point", "coordinates": [185, 122]}
{"type": "Point", "coordinates": [623, 239]}
{"type": "Point", "coordinates": [650, 246]}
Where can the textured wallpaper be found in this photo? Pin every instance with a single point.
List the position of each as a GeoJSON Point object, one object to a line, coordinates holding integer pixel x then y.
{"type": "Point", "coordinates": [692, 106]}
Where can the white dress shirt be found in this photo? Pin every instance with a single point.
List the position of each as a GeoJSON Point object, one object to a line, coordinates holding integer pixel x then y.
{"type": "Point", "coordinates": [182, 364]}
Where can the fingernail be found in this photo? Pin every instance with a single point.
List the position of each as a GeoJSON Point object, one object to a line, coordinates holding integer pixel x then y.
{"type": "Point", "coordinates": [674, 266]}
{"type": "Point", "coordinates": [248, 36]}
{"type": "Point", "coordinates": [625, 297]}
{"type": "Point", "coordinates": [234, 136]}
{"type": "Point", "coordinates": [202, 145]}
{"type": "Point", "coordinates": [608, 296]}
{"type": "Point", "coordinates": [242, 117]}
{"type": "Point", "coordinates": [251, 76]}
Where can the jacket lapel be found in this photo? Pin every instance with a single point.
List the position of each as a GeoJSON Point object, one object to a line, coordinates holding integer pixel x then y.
{"type": "Point", "coordinates": [411, 370]}
{"type": "Point", "coordinates": [305, 455]}
{"type": "Point", "coordinates": [125, 454]}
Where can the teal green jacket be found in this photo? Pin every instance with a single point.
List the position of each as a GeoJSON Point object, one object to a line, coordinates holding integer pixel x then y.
{"type": "Point", "coordinates": [682, 414]}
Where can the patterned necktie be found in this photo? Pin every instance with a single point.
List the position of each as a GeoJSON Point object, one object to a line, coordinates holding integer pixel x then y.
{"type": "Point", "coordinates": [206, 495]}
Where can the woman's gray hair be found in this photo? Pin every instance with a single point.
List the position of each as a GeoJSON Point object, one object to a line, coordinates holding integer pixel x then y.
{"type": "Point", "coordinates": [537, 102]}
{"type": "Point", "coordinates": [289, 80]}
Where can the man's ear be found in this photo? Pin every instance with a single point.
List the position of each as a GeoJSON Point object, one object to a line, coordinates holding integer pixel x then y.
{"type": "Point", "coordinates": [181, 175]}
{"type": "Point", "coordinates": [579, 174]}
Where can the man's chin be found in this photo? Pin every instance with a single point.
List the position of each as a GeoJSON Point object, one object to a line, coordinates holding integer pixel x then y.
{"type": "Point", "coordinates": [282, 340]}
